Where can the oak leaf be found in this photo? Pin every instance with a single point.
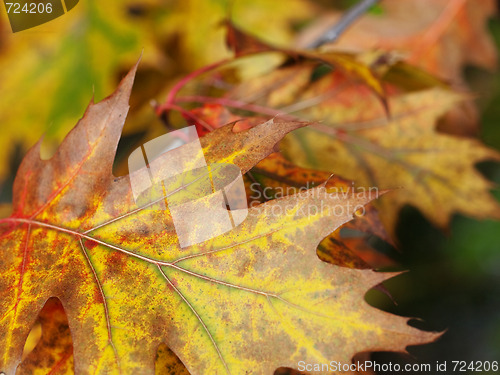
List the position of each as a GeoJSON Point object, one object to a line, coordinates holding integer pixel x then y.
{"type": "Point", "coordinates": [436, 171]}
{"type": "Point", "coordinates": [356, 139]}
{"type": "Point", "coordinates": [248, 301]}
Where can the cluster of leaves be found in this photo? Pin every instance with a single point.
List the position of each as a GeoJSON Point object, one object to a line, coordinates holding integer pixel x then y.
{"type": "Point", "coordinates": [115, 293]}
{"type": "Point", "coordinates": [84, 54]}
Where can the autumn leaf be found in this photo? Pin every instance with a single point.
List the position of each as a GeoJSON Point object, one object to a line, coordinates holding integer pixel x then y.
{"type": "Point", "coordinates": [436, 171]}
{"type": "Point", "coordinates": [83, 53]}
{"type": "Point", "coordinates": [253, 299]}
{"type": "Point", "coordinates": [244, 44]}
{"type": "Point", "coordinates": [356, 140]}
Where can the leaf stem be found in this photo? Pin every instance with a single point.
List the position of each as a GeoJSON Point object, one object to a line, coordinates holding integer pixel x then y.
{"type": "Point", "coordinates": [237, 104]}
{"type": "Point", "coordinates": [179, 85]}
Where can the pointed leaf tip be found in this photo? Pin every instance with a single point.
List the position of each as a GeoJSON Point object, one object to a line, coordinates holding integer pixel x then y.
{"type": "Point", "coordinates": [128, 81]}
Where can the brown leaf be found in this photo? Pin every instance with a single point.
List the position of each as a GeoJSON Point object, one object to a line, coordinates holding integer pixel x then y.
{"type": "Point", "coordinates": [436, 172]}
{"type": "Point", "coordinates": [255, 297]}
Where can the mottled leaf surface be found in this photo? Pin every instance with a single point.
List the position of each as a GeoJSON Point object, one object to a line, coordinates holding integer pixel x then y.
{"type": "Point", "coordinates": [251, 300]}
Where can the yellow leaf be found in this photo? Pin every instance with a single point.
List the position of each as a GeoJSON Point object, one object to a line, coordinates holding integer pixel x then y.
{"type": "Point", "coordinates": [253, 299]}
{"type": "Point", "coordinates": [435, 172]}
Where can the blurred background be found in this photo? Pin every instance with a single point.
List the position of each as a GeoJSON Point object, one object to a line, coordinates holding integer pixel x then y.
{"type": "Point", "coordinates": [49, 73]}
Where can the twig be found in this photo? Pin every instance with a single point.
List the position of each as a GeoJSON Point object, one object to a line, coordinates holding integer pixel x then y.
{"type": "Point", "coordinates": [347, 19]}
{"type": "Point", "coordinates": [173, 92]}
{"type": "Point", "coordinates": [237, 104]}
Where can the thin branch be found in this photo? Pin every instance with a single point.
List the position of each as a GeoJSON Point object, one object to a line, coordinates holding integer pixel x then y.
{"type": "Point", "coordinates": [347, 19]}
{"type": "Point", "coordinates": [179, 85]}
{"type": "Point", "coordinates": [227, 102]}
